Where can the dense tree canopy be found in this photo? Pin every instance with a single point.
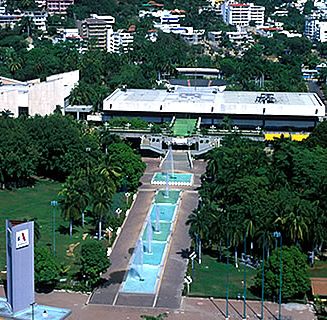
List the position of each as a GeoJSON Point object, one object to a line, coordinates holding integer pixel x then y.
{"type": "Point", "coordinates": [251, 191]}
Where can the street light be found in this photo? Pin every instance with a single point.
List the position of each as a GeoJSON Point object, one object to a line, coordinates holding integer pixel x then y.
{"type": "Point", "coordinates": [227, 277]}
{"type": "Point", "coordinates": [54, 204]}
{"type": "Point", "coordinates": [263, 279]}
{"type": "Point", "coordinates": [32, 305]}
{"type": "Point", "coordinates": [244, 281]}
{"type": "Point", "coordinates": [277, 235]}
{"type": "Point", "coordinates": [227, 271]}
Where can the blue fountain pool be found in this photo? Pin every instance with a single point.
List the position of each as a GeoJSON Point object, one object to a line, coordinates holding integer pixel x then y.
{"type": "Point", "coordinates": [175, 179]}
{"type": "Point", "coordinates": [39, 312]}
{"type": "Point", "coordinates": [144, 277]}
{"type": "Point", "coordinates": [166, 211]}
{"type": "Point", "coordinates": [144, 283]}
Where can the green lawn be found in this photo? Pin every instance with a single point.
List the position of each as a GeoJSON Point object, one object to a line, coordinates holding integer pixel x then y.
{"type": "Point", "coordinates": [210, 279]}
{"type": "Point", "coordinates": [319, 270]}
{"type": "Point", "coordinates": [35, 203]}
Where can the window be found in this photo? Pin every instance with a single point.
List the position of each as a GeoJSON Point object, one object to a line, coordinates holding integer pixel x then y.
{"type": "Point", "coordinates": [22, 111]}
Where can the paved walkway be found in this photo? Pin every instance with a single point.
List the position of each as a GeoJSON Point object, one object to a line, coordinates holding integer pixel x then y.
{"type": "Point", "coordinates": [172, 281]}
{"type": "Point", "coordinates": [123, 250]}
{"type": "Point", "coordinates": [191, 309]}
{"type": "Point", "coordinates": [171, 285]}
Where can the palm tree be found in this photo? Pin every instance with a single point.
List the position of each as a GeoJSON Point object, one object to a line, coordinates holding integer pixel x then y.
{"type": "Point", "coordinates": [13, 61]}
{"type": "Point", "coordinates": [6, 114]}
{"type": "Point", "coordinates": [199, 221]}
{"type": "Point", "coordinates": [73, 200]}
{"type": "Point", "coordinates": [102, 188]}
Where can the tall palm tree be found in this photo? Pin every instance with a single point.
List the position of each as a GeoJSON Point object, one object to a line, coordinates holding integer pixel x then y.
{"type": "Point", "coordinates": [73, 200]}
{"type": "Point", "coordinates": [199, 227]}
{"type": "Point", "coordinates": [102, 188]}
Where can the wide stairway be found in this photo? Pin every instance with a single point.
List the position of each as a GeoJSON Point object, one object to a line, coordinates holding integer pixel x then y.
{"type": "Point", "coordinates": [184, 127]}
{"type": "Point", "coordinates": [181, 162]}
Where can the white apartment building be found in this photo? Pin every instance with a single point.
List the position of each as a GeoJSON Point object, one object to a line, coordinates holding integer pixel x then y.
{"type": "Point", "coordinates": [241, 14]}
{"type": "Point", "coordinates": [41, 3]}
{"type": "Point", "coordinates": [194, 37]}
{"type": "Point", "coordinates": [58, 6]}
{"type": "Point", "coordinates": [35, 96]}
{"type": "Point", "coordinates": [315, 29]}
{"type": "Point", "coordinates": [120, 41]}
{"type": "Point", "coordinates": [39, 19]}
{"type": "Point", "coordinates": [215, 36]}
{"type": "Point", "coordinates": [96, 29]}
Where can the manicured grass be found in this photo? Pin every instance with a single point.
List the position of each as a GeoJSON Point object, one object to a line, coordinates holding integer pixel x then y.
{"type": "Point", "coordinates": [319, 270]}
{"type": "Point", "coordinates": [35, 203]}
{"type": "Point", "coordinates": [210, 279]}
{"type": "Point", "coordinates": [173, 196]}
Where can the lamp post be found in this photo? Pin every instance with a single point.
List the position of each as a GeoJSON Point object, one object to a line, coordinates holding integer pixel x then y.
{"type": "Point", "coordinates": [244, 280]}
{"type": "Point", "coordinates": [277, 235]}
{"type": "Point", "coordinates": [227, 278]}
{"type": "Point", "coordinates": [263, 279]}
{"type": "Point", "coordinates": [32, 305]}
{"type": "Point", "coordinates": [54, 204]}
{"type": "Point", "coordinates": [227, 271]}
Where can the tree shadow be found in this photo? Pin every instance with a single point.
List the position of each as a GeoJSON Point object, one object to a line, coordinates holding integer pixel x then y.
{"type": "Point", "coordinates": [45, 287]}
{"type": "Point", "coordinates": [184, 253]}
{"type": "Point", "coordinates": [63, 230]}
{"type": "Point", "coordinates": [131, 250]}
{"type": "Point", "coordinates": [116, 277]}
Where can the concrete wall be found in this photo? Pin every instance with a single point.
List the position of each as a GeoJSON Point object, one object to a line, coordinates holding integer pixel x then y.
{"type": "Point", "coordinates": [40, 97]}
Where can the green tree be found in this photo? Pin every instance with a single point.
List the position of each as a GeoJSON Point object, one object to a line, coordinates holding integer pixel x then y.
{"type": "Point", "coordinates": [319, 135]}
{"type": "Point", "coordinates": [295, 274]}
{"type": "Point", "coordinates": [94, 261]}
{"type": "Point", "coordinates": [46, 269]}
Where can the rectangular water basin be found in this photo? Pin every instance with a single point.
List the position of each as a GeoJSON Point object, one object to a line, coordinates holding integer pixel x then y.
{"type": "Point", "coordinates": [157, 251]}
{"type": "Point", "coordinates": [173, 196]}
{"type": "Point", "coordinates": [42, 312]}
{"type": "Point", "coordinates": [175, 179]}
{"type": "Point", "coordinates": [166, 212]}
{"type": "Point", "coordinates": [134, 284]}
{"type": "Point", "coordinates": [162, 235]}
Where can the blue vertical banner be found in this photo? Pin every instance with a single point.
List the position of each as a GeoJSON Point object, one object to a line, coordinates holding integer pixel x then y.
{"type": "Point", "coordinates": [20, 264]}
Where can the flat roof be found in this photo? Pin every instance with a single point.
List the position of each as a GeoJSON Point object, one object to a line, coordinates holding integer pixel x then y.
{"type": "Point", "coordinates": [206, 100]}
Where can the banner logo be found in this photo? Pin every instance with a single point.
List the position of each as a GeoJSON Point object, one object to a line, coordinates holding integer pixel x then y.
{"type": "Point", "coordinates": [22, 239]}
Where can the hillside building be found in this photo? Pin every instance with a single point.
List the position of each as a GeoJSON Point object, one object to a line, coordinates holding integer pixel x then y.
{"type": "Point", "coordinates": [120, 41]}
{"type": "Point", "coordinates": [241, 14]}
{"type": "Point", "coordinates": [58, 6]}
{"type": "Point", "coordinates": [315, 29]}
{"type": "Point", "coordinates": [96, 30]}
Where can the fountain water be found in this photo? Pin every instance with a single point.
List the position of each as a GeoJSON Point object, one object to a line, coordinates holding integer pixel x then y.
{"type": "Point", "coordinates": [138, 259]}
{"type": "Point", "coordinates": [169, 167]}
{"type": "Point", "coordinates": [157, 226]}
{"type": "Point", "coordinates": [149, 235]}
{"type": "Point", "coordinates": [171, 161]}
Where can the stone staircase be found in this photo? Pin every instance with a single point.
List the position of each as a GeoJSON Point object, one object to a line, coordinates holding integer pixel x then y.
{"type": "Point", "coordinates": [181, 162]}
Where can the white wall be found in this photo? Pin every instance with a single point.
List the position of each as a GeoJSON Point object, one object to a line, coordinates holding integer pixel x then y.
{"type": "Point", "coordinates": [40, 97]}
